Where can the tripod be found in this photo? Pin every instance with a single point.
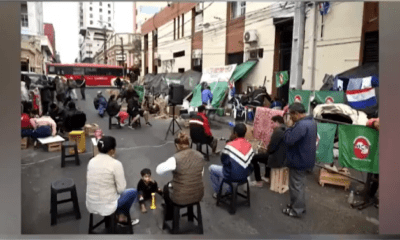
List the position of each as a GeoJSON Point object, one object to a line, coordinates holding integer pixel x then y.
{"type": "Point", "coordinates": [172, 124]}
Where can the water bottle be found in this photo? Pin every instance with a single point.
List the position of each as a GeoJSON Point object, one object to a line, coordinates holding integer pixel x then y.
{"type": "Point", "coordinates": [231, 124]}
{"type": "Point", "coordinates": [351, 197]}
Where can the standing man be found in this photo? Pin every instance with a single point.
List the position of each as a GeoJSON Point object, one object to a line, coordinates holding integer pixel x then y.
{"type": "Point", "coordinates": [206, 95]}
{"type": "Point", "coordinates": [300, 140]}
{"type": "Point", "coordinates": [83, 86]}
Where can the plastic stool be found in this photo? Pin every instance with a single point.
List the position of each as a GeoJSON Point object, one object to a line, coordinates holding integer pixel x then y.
{"type": "Point", "coordinates": [110, 122]}
{"type": "Point", "coordinates": [61, 186]}
{"type": "Point", "coordinates": [199, 147]}
{"type": "Point", "coordinates": [233, 196]}
{"type": "Point", "coordinates": [190, 214]}
{"type": "Point", "coordinates": [64, 147]}
{"type": "Point", "coordinates": [109, 222]}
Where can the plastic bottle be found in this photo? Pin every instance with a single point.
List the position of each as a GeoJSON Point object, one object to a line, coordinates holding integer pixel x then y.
{"type": "Point", "coordinates": [351, 197]}
{"type": "Point", "coordinates": [231, 124]}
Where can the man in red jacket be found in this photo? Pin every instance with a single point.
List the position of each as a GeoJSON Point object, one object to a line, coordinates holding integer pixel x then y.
{"type": "Point", "coordinates": [201, 120]}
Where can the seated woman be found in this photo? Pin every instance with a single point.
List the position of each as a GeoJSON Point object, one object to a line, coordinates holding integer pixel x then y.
{"type": "Point", "coordinates": [106, 191]}
{"type": "Point", "coordinates": [187, 166]}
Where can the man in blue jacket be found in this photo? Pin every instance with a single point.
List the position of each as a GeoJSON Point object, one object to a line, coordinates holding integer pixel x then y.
{"type": "Point", "coordinates": [300, 141]}
{"type": "Point", "coordinates": [206, 95]}
{"type": "Point", "coordinates": [236, 159]}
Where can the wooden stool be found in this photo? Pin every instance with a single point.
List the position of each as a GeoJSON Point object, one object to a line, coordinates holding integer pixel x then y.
{"type": "Point", "coordinates": [232, 197]}
{"type": "Point", "coordinates": [64, 147]}
{"type": "Point", "coordinates": [279, 180]}
{"type": "Point", "coordinates": [61, 186]}
{"type": "Point", "coordinates": [189, 214]}
{"type": "Point", "coordinates": [110, 124]}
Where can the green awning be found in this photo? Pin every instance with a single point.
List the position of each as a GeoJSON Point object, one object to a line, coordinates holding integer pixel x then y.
{"type": "Point", "coordinates": [243, 70]}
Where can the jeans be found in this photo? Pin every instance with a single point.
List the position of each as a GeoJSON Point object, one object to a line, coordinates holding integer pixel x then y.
{"type": "Point", "coordinates": [40, 132]}
{"type": "Point", "coordinates": [83, 93]}
{"type": "Point", "coordinates": [125, 201]}
{"type": "Point", "coordinates": [216, 176]}
{"type": "Point", "coordinates": [260, 158]}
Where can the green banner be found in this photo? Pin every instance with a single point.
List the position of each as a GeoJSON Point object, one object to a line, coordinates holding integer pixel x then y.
{"type": "Point", "coordinates": [196, 99]}
{"type": "Point", "coordinates": [218, 90]}
{"type": "Point", "coordinates": [281, 78]}
{"type": "Point", "coordinates": [325, 140]}
{"type": "Point", "coordinates": [359, 148]}
{"type": "Point", "coordinates": [301, 96]}
{"type": "Point", "coordinates": [140, 91]}
{"type": "Point", "coordinates": [324, 97]}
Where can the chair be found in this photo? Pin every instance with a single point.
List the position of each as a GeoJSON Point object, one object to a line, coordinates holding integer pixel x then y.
{"type": "Point", "coordinates": [199, 138]}
{"type": "Point", "coordinates": [64, 147]}
{"type": "Point", "coordinates": [61, 186]}
{"type": "Point", "coordinates": [232, 197]}
{"type": "Point", "coordinates": [109, 222]}
{"type": "Point", "coordinates": [189, 214]}
{"type": "Point", "coordinates": [110, 124]}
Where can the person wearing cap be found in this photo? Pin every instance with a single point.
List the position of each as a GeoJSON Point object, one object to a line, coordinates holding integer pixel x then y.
{"type": "Point", "coordinates": [100, 103]}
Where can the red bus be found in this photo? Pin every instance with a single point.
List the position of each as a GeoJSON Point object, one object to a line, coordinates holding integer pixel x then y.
{"type": "Point", "coordinates": [95, 74]}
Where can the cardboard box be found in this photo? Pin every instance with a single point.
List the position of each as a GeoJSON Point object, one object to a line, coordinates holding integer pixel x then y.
{"type": "Point", "coordinates": [177, 110]}
{"type": "Point", "coordinates": [24, 143]}
{"type": "Point", "coordinates": [90, 129]}
{"type": "Point", "coordinates": [80, 139]}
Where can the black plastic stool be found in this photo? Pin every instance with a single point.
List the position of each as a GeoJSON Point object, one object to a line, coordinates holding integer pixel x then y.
{"type": "Point", "coordinates": [110, 224]}
{"type": "Point", "coordinates": [199, 147]}
{"type": "Point", "coordinates": [110, 124]}
{"type": "Point", "coordinates": [64, 147]}
{"type": "Point", "coordinates": [233, 196]}
{"type": "Point", "coordinates": [61, 186]}
{"type": "Point", "coordinates": [189, 214]}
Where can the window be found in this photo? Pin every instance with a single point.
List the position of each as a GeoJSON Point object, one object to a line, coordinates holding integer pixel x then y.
{"type": "Point", "coordinates": [183, 25]}
{"type": "Point", "coordinates": [174, 29]}
{"type": "Point", "coordinates": [179, 54]}
{"type": "Point", "coordinates": [91, 15]}
{"type": "Point", "coordinates": [109, 25]}
{"type": "Point", "coordinates": [238, 9]}
{"type": "Point", "coordinates": [109, 12]}
{"type": "Point", "coordinates": [109, 5]}
{"type": "Point", "coordinates": [179, 23]}
{"type": "Point", "coordinates": [91, 22]}
{"type": "Point", "coordinates": [78, 71]}
{"type": "Point", "coordinates": [90, 8]}
{"type": "Point", "coordinates": [109, 19]}
{"type": "Point", "coordinates": [101, 17]}
{"type": "Point", "coordinates": [155, 39]}
{"type": "Point", "coordinates": [101, 10]}
{"type": "Point", "coordinates": [181, 70]}
{"type": "Point", "coordinates": [24, 15]}
{"type": "Point", "coordinates": [101, 4]}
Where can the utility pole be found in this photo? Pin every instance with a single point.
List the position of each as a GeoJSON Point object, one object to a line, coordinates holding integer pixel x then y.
{"type": "Point", "coordinates": [123, 56]}
{"type": "Point", "coordinates": [313, 46]}
{"type": "Point", "coordinates": [296, 69]}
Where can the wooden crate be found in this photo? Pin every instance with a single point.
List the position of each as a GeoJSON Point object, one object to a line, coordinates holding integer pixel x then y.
{"type": "Point", "coordinates": [54, 147]}
{"type": "Point", "coordinates": [24, 143]}
{"type": "Point", "coordinates": [279, 180]}
{"type": "Point", "coordinates": [80, 138]}
{"type": "Point", "coordinates": [326, 177]}
{"type": "Point", "coordinates": [90, 129]}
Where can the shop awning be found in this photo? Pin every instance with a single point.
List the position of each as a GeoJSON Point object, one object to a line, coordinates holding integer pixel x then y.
{"type": "Point", "coordinates": [243, 70]}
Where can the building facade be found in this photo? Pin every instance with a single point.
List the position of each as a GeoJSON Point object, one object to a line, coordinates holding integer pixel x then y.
{"type": "Point", "coordinates": [196, 36]}
{"type": "Point", "coordinates": [36, 48]}
{"type": "Point", "coordinates": [50, 33]}
{"type": "Point", "coordinates": [96, 22]}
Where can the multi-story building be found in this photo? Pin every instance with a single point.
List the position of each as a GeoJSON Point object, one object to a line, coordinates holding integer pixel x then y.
{"type": "Point", "coordinates": [196, 36]}
{"type": "Point", "coordinates": [118, 50]}
{"type": "Point", "coordinates": [36, 49]}
{"type": "Point", "coordinates": [96, 22]}
{"type": "Point", "coordinates": [143, 11]}
{"type": "Point", "coordinates": [50, 33]}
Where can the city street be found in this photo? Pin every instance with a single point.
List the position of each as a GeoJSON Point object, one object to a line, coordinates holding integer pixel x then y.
{"type": "Point", "coordinates": [327, 209]}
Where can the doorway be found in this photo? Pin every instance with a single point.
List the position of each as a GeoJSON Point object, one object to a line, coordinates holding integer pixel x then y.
{"type": "Point", "coordinates": [282, 55]}
{"type": "Point", "coordinates": [236, 58]}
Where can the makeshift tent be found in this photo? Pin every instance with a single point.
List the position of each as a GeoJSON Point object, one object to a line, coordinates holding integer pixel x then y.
{"type": "Point", "coordinates": [242, 70]}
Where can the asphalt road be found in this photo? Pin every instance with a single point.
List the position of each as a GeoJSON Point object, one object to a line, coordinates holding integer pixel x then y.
{"type": "Point", "coordinates": [327, 209]}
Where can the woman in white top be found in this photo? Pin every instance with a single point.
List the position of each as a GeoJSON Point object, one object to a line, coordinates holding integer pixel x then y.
{"type": "Point", "coordinates": [106, 185]}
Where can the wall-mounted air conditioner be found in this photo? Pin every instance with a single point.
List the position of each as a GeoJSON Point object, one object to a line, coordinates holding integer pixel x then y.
{"type": "Point", "coordinates": [250, 36]}
{"type": "Point", "coordinates": [199, 7]}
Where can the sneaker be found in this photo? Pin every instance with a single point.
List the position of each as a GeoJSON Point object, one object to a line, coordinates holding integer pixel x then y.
{"type": "Point", "coordinates": [131, 127]}
{"type": "Point", "coordinates": [135, 222]}
{"type": "Point", "coordinates": [256, 184]}
{"type": "Point", "coordinates": [149, 124]}
{"type": "Point", "coordinates": [265, 179]}
{"type": "Point", "coordinates": [215, 195]}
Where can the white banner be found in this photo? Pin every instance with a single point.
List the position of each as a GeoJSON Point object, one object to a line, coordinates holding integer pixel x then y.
{"type": "Point", "coordinates": [218, 74]}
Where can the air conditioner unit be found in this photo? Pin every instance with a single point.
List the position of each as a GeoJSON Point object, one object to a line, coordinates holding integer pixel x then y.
{"type": "Point", "coordinates": [250, 36]}
{"type": "Point", "coordinates": [253, 54]}
{"type": "Point", "coordinates": [199, 7]}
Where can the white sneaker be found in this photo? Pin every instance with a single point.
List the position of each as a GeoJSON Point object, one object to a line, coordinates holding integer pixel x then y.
{"type": "Point", "coordinates": [265, 179]}
{"type": "Point", "coordinates": [135, 222]}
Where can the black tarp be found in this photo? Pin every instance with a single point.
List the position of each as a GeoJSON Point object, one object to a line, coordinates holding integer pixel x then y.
{"type": "Point", "coordinates": [363, 71]}
{"type": "Point", "coordinates": [190, 79]}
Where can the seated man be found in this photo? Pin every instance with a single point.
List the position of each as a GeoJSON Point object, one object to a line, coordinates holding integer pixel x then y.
{"type": "Point", "coordinates": [74, 119]}
{"type": "Point", "coordinates": [58, 115]}
{"type": "Point", "coordinates": [276, 152]}
{"type": "Point", "coordinates": [42, 127]}
{"type": "Point", "coordinates": [206, 95]}
{"type": "Point", "coordinates": [187, 166]}
{"type": "Point", "coordinates": [201, 119]}
{"type": "Point", "coordinates": [135, 111]}
{"type": "Point", "coordinates": [100, 103]}
{"type": "Point", "coordinates": [236, 160]}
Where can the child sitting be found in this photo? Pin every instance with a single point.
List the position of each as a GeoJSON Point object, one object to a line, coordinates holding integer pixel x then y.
{"type": "Point", "coordinates": [146, 187]}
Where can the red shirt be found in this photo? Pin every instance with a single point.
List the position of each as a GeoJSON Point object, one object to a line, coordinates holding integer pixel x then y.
{"type": "Point", "coordinates": [206, 125]}
{"type": "Point", "coordinates": [25, 121]}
